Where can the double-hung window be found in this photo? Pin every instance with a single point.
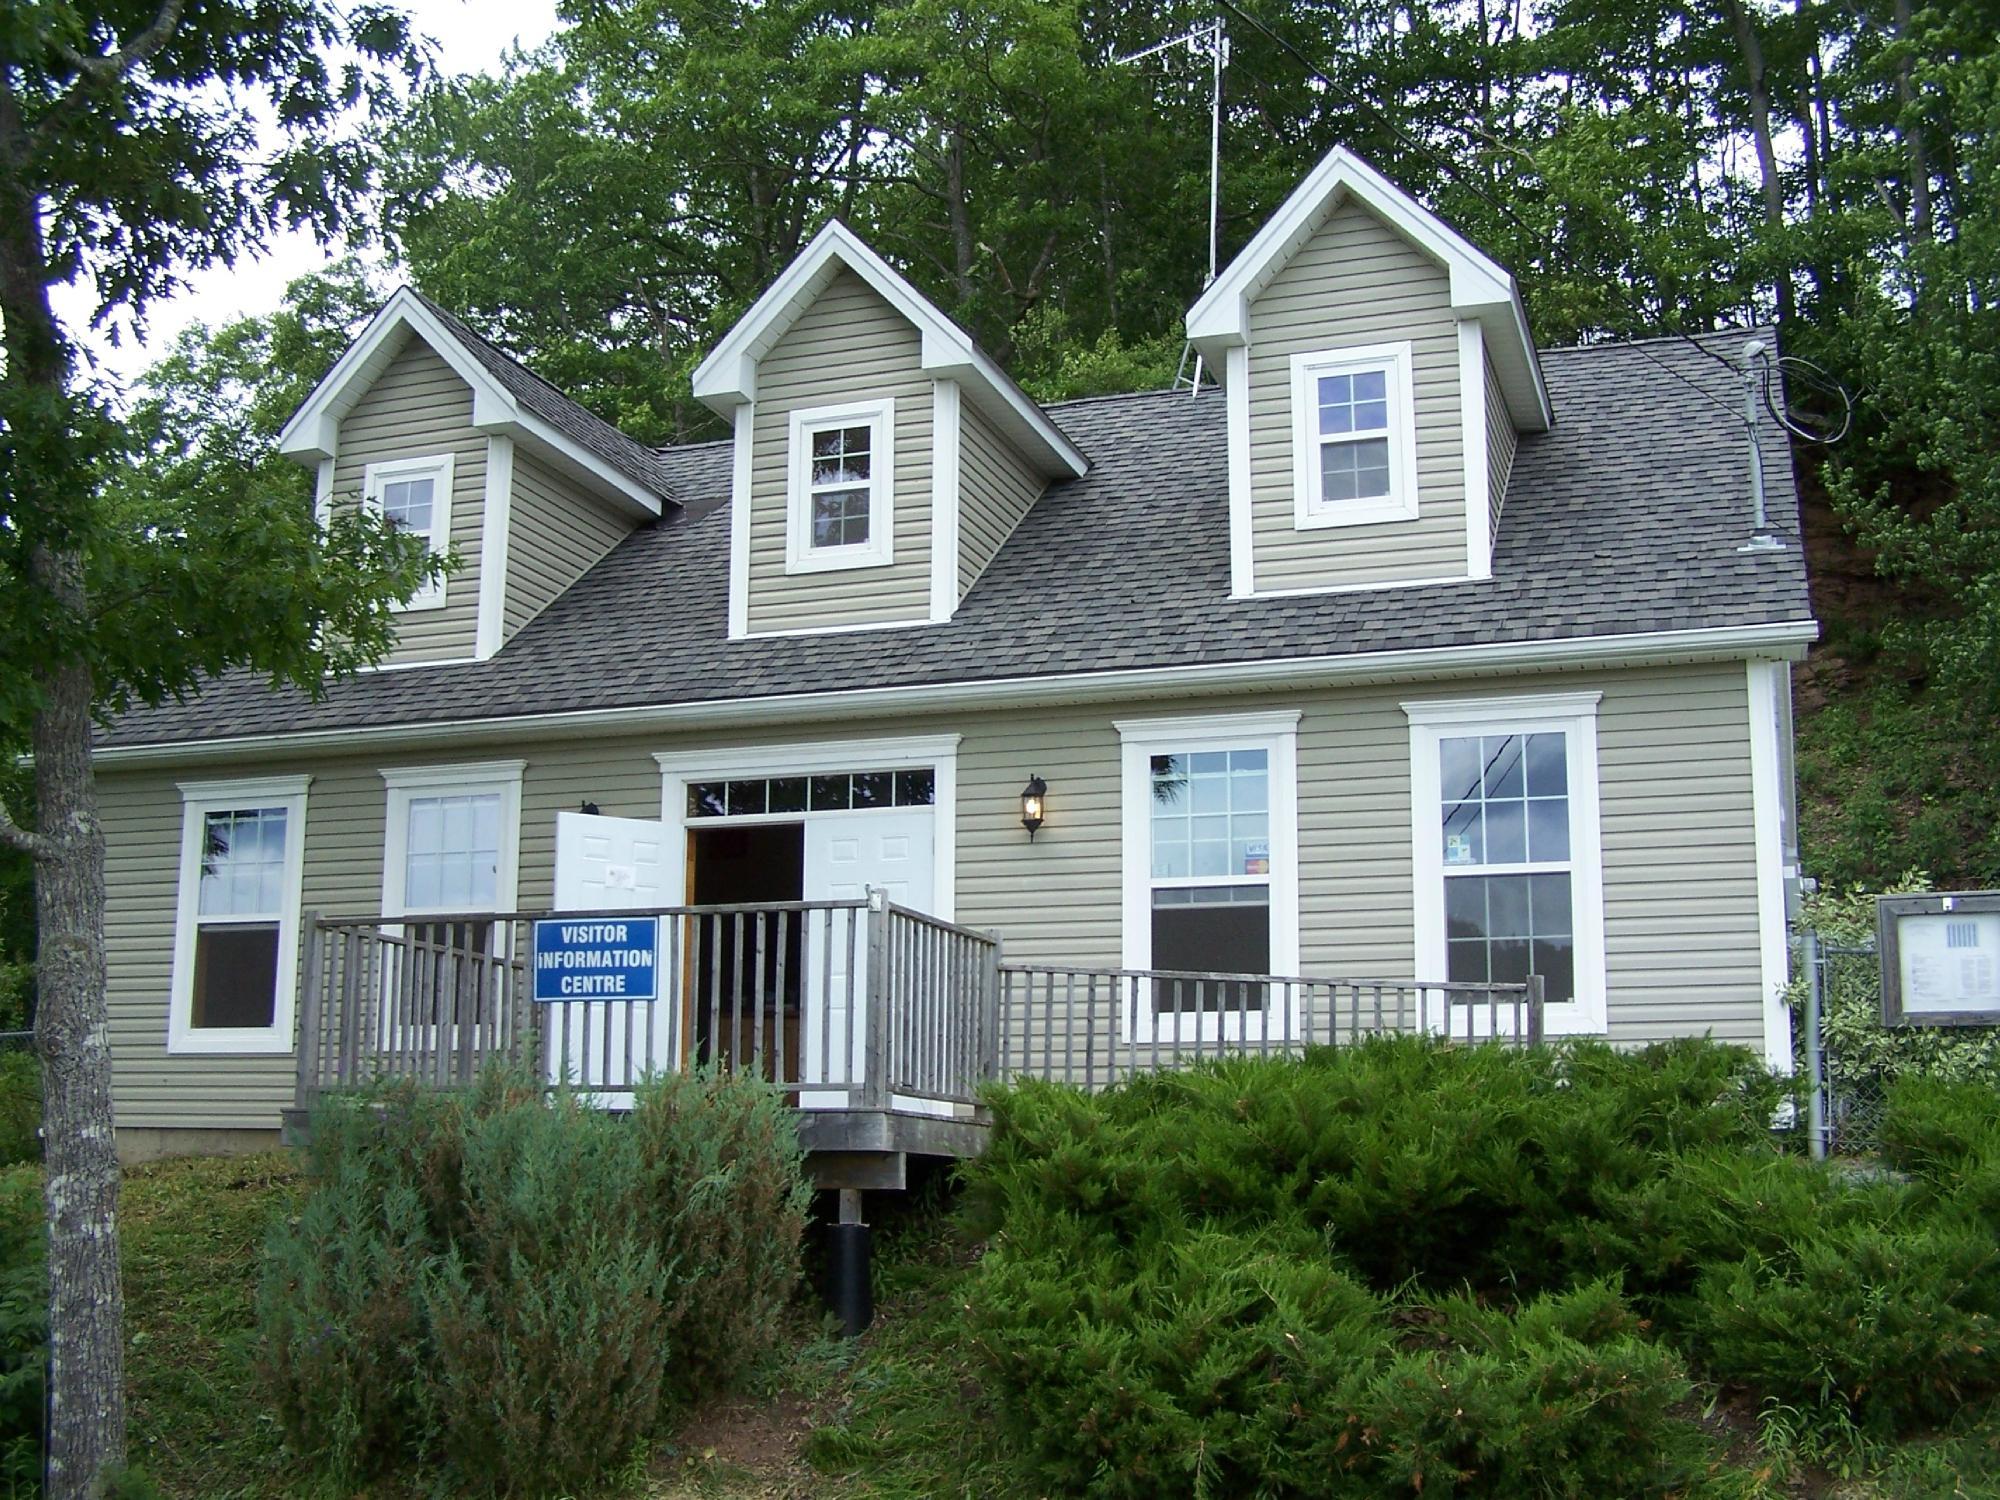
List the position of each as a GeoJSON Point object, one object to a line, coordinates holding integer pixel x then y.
{"type": "Point", "coordinates": [451, 851]}
{"type": "Point", "coordinates": [839, 491]}
{"type": "Point", "coordinates": [1211, 866]}
{"type": "Point", "coordinates": [414, 495]}
{"type": "Point", "coordinates": [236, 938]}
{"type": "Point", "coordinates": [1354, 436]}
{"type": "Point", "coordinates": [1505, 829]}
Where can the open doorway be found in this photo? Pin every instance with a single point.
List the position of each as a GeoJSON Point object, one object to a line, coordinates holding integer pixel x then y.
{"type": "Point", "coordinates": [736, 1001]}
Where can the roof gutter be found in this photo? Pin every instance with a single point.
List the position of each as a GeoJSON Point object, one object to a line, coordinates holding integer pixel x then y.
{"type": "Point", "coordinates": [1784, 640]}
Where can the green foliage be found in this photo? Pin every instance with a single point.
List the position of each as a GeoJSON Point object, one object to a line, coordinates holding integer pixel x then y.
{"type": "Point", "coordinates": [1895, 778]}
{"type": "Point", "coordinates": [1471, 1271]}
{"type": "Point", "coordinates": [20, 1106]}
{"type": "Point", "coordinates": [501, 1284]}
{"type": "Point", "coordinates": [23, 1331]}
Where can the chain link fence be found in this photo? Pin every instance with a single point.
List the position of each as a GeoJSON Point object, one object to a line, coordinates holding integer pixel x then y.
{"type": "Point", "coordinates": [1850, 1059]}
{"type": "Point", "coordinates": [1847, 1086]}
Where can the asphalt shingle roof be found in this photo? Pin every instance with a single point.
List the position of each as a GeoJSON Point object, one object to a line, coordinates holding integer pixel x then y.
{"type": "Point", "coordinates": [588, 431]}
{"type": "Point", "coordinates": [1626, 517]}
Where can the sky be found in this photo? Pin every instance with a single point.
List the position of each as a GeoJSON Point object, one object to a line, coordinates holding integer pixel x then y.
{"type": "Point", "coordinates": [471, 37]}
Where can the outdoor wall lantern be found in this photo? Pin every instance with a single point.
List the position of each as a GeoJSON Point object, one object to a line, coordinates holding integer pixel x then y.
{"type": "Point", "coordinates": [1031, 805]}
{"type": "Point", "coordinates": [589, 810]}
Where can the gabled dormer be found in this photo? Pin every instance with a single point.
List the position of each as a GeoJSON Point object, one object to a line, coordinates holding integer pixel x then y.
{"type": "Point", "coordinates": [427, 423]}
{"type": "Point", "coordinates": [1378, 371]}
{"type": "Point", "coordinates": [880, 457]}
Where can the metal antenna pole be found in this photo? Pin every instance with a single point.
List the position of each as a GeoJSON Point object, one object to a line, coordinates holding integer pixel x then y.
{"type": "Point", "coordinates": [1217, 41]}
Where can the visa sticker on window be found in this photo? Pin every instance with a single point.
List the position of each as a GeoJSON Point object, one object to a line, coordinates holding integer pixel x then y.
{"type": "Point", "coordinates": [1457, 849]}
{"type": "Point", "coordinates": [1256, 859]}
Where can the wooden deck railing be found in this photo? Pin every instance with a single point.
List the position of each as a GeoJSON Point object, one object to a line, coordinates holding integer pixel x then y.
{"type": "Point", "coordinates": [846, 1004]}
{"type": "Point", "coordinates": [849, 1004]}
{"type": "Point", "coordinates": [1093, 1026]}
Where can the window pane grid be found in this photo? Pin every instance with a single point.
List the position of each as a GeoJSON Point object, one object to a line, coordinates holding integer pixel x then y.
{"type": "Point", "coordinates": [839, 791]}
{"type": "Point", "coordinates": [843, 464]}
{"type": "Point", "coordinates": [452, 853]}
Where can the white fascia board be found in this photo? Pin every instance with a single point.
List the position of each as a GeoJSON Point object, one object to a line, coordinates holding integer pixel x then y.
{"type": "Point", "coordinates": [727, 378]}
{"type": "Point", "coordinates": [313, 433]}
{"type": "Point", "coordinates": [1785, 640]}
{"type": "Point", "coordinates": [1480, 286]}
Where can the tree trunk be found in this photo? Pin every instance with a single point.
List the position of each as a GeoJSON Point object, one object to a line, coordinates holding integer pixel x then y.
{"type": "Point", "coordinates": [961, 218]}
{"type": "Point", "coordinates": [1913, 131]}
{"type": "Point", "coordinates": [86, 1430]}
{"type": "Point", "coordinates": [86, 1299]}
{"type": "Point", "coordinates": [1767, 154]}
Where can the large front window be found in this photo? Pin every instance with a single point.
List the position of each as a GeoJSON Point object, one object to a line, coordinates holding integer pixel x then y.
{"type": "Point", "coordinates": [1508, 879]}
{"type": "Point", "coordinates": [1504, 817]}
{"type": "Point", "coordinates": [236, 944]}
{"type": "Point", "coordinates": [452, 850]}
{"type": "Point", "coordinates": [1211, 870]}
{"type": "Point", "coordinates": [839, 491]}
{"type": "Point", "coordinates": [1211, 879]}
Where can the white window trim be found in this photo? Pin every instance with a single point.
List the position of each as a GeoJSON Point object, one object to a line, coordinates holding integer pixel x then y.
{"type": "Point", "coordinates": [1309, 509]}
{"type": "Point", "coordinates": [467, 779]}
{"type": "Point", "coordinates": [938, 753]}
{"type": "Point", "coordinates": [199, 798]}
{"type": "Point", "coordinates": [1575, 716]}
{"type": "Point", "coordinates": [438, 468]}
{"type": "Point", "coordinates": [1139, 740]}
{"type": "Point", "coordinates": [801, 556]}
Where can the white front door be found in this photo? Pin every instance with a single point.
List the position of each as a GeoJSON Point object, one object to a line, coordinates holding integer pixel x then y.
{"type": "Point", "coordinates": [846, 853]}
{"type": "Point", "coordinates": [613, 864]}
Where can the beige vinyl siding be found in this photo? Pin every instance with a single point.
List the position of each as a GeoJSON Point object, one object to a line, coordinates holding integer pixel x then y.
{"type": "Point", "coordinates": [1678, 858]}
{"type": "Point", "coordinates": [850, 345]}
{"type": "Point", "coordinates": [419, 408]}
{"type": "Point", "coordinates": [1501, 441]}
{"type": "Point", "coordinates": [995, 488]}
{"type": "Point", "coordinates": [1356, 282]}
{"type": "Point", "coordinates": [558, 531]}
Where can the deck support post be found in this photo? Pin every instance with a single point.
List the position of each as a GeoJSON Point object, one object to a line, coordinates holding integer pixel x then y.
{"type": "Point", "coordinates": [849, 1277]}
{"type": "Point", "coordinates": [307, 1088]}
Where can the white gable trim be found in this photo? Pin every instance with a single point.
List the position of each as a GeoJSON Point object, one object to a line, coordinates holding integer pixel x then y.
{"type": "Point", "coordinates": [727, 379]}
{"type": "Point", "coordinates": [1478, 448]}
{"type": "Point", "coordinates": [945, 500]}
{"type": "Point", "coordinates": [313, 433]}
{"type": "Point", "coordinates": [1480, 286]}
{"type": "Point", "coordinates": [739, 521]}
{"type": "Point", "coordinates": [496, 528]}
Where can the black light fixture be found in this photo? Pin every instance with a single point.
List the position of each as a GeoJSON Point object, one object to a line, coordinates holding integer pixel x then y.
{"type": "Point", "coordinates": [589, 810]}
{"type": "Point", "coordinates": [1031, 805]}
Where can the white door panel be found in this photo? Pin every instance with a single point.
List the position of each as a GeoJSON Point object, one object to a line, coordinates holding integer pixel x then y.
{"type": "Point", "coordinates": [845, 854]}
{"type": "Point", "coordinates": [614, 864]}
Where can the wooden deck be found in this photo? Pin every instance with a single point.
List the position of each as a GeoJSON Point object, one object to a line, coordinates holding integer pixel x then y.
{"type": "Point", "coordinates": [881, 1024]}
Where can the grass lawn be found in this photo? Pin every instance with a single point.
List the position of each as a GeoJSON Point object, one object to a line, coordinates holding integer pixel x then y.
{"type": "Point", "coordinates": [897, 1416]}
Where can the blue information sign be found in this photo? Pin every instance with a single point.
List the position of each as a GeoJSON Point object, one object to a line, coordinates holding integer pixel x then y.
{"type": "Point", "coordinates": [597, 958]}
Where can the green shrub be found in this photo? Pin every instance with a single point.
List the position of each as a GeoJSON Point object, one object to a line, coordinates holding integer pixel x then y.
{"type": "Point", "coordinates": [723, 1193]}
{"type": "Point", "coordinates": [498, 1282]}
{"type": "Point", "coordinates": [20, 1106]}
{"type": "Point", "coordinates": [1415, 1161]}
{"type": "Point", "coordinates": [1566, 1396]}
{"type": "Point", "coordinates": [1896, 1324]}
{"type": "Point", "coordinates": [1947, 1136]}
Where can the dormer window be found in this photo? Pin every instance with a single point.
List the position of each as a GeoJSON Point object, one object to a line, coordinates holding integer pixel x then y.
{"type": "Point", "coordinates": [1354, 436]}
{"type": "Point", "coordinates": [839, 495]}
{"type": "Point", "coordinates": [414, 495]}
